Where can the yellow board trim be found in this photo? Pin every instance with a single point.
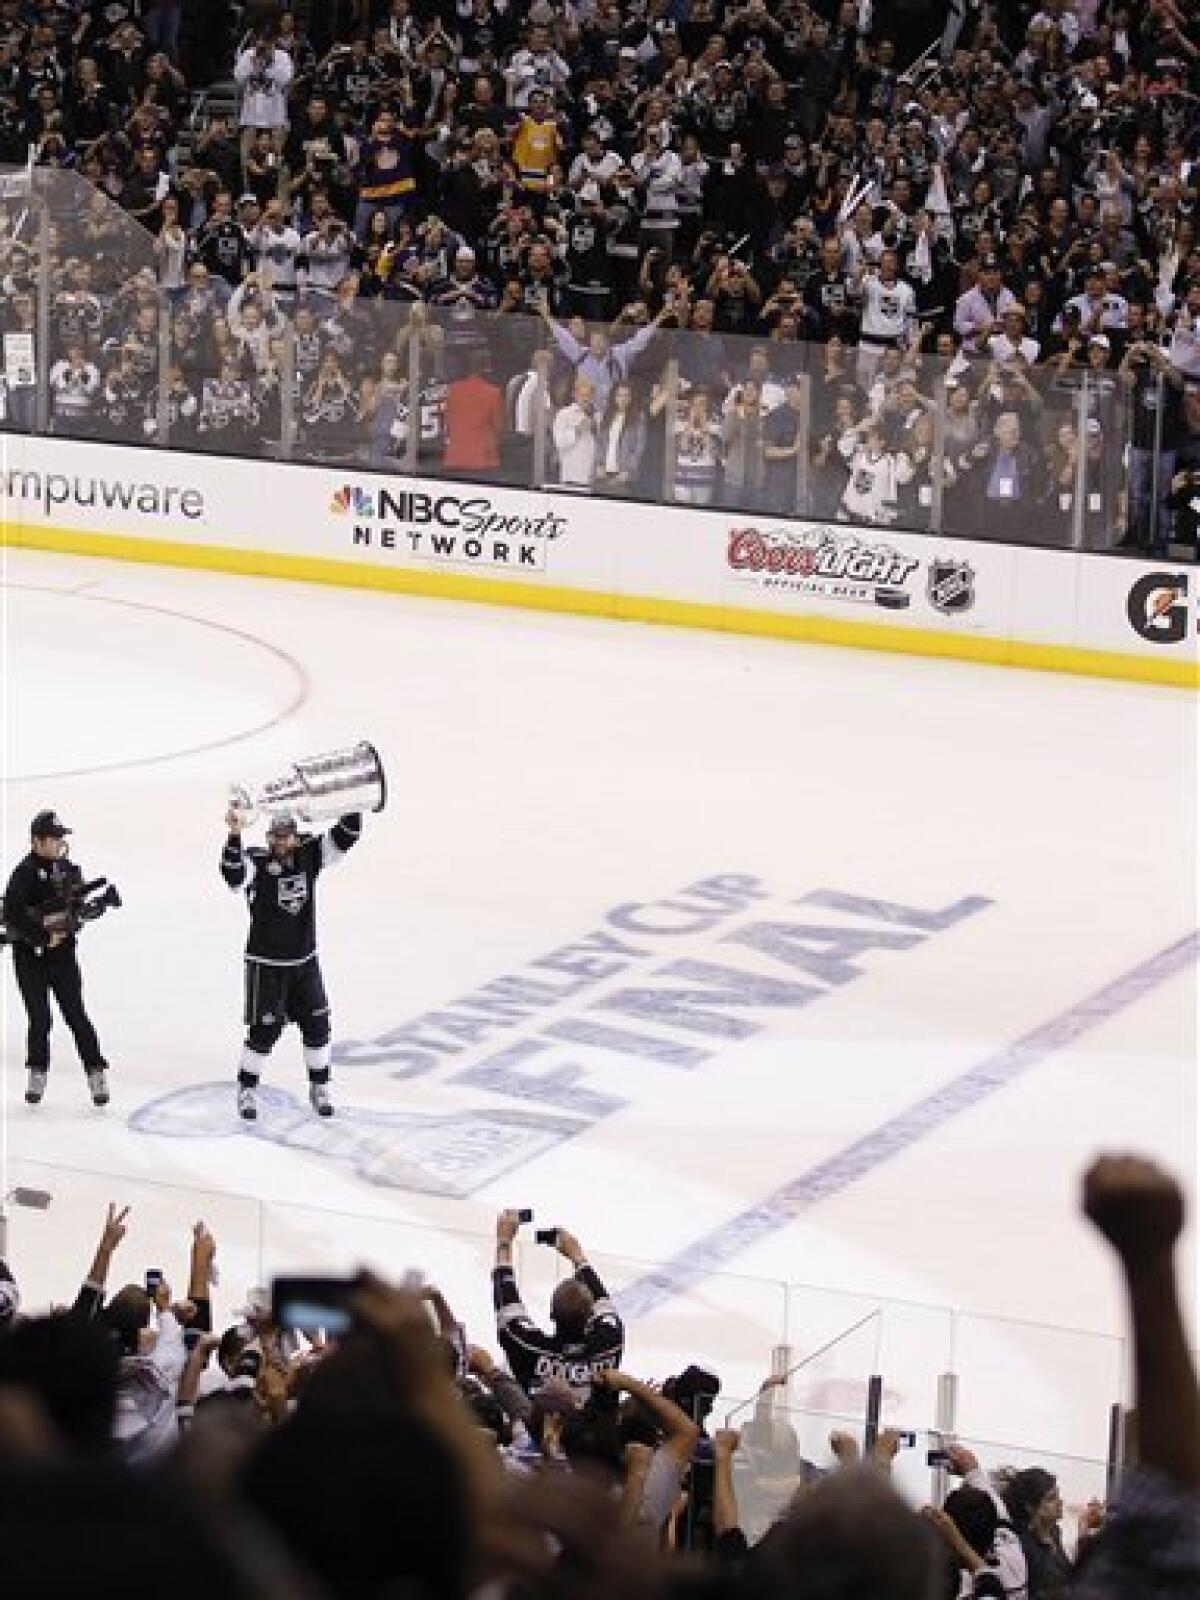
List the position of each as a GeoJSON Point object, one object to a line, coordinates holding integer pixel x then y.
{"type": "Point", "coordinates": [632, 608]}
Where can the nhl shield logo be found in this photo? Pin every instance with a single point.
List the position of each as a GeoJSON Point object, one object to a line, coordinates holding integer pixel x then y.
{"type": "Point", "coordinates": [951, 585]}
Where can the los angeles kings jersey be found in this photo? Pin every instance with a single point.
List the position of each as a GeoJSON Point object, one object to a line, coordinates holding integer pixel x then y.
{"type": "Point", "coordinates": [536, 1356]}
{"type": "Point", "coordinates": [282, 894]}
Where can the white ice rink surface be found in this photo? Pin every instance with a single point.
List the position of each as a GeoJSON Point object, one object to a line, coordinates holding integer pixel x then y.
{"type": "Point", "coordinates": [544, 772]}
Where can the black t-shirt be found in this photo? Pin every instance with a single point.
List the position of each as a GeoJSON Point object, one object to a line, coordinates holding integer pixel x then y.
{"type": "Point", "coordinates": [535, 287]}
{"type": "Point", "coordinates": [588, 259]}
{"type": "Point", "coordinates": [352, 82]}
{"type": "Point", "coordinates": [14, 143]}
{"type": "Point", "coordinates": [223, 249]}
{"type": "Point", "coordinates": [92, 113]}
{"type": "Point", "coordinates": [827, 295]}
{"type": "Point", "coordinates": [322, 140]}
{"type": "Point", "coordinates": [467, 199]}
{"type": "Point", "coordinates": [474, 116]}
{"type": "Point", "coordinates": [781, 430]}
{"type": "Point", "coordinates": [122, 403]}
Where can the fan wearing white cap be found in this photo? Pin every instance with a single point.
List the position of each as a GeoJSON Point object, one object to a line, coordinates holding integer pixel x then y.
{"type": "Point", "coordinates": [283, 975]}
{"type": "Point", "coordinates": [465, 290]}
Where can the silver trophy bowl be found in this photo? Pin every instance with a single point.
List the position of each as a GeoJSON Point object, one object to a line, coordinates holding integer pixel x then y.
{"type": "Point", "coordinates": [317, 787]}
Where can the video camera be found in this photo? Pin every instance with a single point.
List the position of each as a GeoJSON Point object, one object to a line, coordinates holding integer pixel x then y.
{"type": "Point", "coordinates": [77, 902]}
{"type": "Point", "coordinates": [82, 902]}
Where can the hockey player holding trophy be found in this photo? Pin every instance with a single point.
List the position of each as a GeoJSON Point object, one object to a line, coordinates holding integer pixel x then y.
{"type": "Point", "coordinates": [283, 973]}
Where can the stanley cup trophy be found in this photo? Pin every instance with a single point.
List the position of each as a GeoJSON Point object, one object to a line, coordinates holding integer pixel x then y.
{"type": "Point", "coordinates": [318, 787]}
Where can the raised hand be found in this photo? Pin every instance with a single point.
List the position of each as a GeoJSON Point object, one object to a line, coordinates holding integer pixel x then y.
{"type": "Point", "coordinates": [507, 1224]}
{"type": "Point", "coordinates": [1135, 1204]}
{"type": "Point", "coordinates": [115, 1227]}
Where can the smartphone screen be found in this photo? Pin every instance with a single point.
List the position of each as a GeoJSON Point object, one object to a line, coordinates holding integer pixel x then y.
{"type": "Point", "coordinates": [306, 1305]}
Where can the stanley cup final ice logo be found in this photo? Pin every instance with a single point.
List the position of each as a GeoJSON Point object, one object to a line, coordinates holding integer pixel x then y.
{"type": "Point", "coordinates": [550, 1050]}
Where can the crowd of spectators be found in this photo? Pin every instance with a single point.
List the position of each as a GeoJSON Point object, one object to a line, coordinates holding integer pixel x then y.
{"type": "Point", "coordinates": [945, 242]}
{"type": "Point", "coordinates": [348, 1439]}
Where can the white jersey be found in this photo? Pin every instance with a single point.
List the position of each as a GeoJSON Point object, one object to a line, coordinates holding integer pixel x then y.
{"type": "Point", "coordinates": [1006, 1559]}
{"type": "Point", "coordinates": [529, 70]}
{"type": "Point", "coordinates": [172, 258]}
{"type": "Point", "coordinates": [658, 174]}
{"type": "Point", "coordinates": [875, 481]}
{"type": "Point", "coordinates": [275, 252]}
{"type": "Point", "coordinates": [73, 388]}
{"type": "Point", "coordinates": [144, 1420]}
{"type": "Point", "coordinates": [263, 81]}
{"type": "Point", "coordinates": [1111, 312]}
{"type": "Point", "coordinates": [328, 259]}
{"type": "Point", "coordinates": [693, 176]}
{"type": "Point", "coordinates": [889, 309]}
{"type": "Point", "coordinates": [585, 170]}
{"type": "Point", "coordinates": [771, 396]}
{"type": "Point", "coordinates": [697, 461]}
{"type": "Point", "coordinates": [1184, 350]}
{"type": "Point", "coordinates": [1001, 348]}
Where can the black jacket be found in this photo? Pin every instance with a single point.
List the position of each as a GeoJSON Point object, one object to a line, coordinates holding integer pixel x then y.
{"type": "Point", "coordinates": [35, 889]}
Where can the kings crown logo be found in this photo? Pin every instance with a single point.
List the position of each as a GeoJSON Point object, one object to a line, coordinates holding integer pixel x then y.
{"type": "Point", "coordinates": [350, 499]}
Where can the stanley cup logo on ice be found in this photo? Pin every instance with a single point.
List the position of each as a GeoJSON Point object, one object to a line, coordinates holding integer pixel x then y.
{"type": "Point", "coordinates": [318, 787]}
{"type": "Point", "coordinates": [452, 1153]}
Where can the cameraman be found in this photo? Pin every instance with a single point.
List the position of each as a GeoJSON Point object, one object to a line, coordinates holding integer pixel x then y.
{"type": "Point", "coordinates": [39, 920]}
{"type": "Point", "coordinates": [588, 1336]}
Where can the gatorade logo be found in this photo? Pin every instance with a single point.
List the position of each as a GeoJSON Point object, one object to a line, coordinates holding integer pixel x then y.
{"type": "Point", "coordinates": [1158, 607]}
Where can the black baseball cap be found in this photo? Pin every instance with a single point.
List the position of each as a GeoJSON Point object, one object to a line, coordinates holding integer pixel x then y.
{"type": "Point", "coordinates": [48, 825]}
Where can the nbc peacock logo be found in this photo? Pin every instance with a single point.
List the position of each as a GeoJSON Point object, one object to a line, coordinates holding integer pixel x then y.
{"type": "Point", "coordinates": [352, 499]}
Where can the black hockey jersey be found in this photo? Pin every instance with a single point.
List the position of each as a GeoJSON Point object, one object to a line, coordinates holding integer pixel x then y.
{"type": "Point", "coordinates": [588, 261]}
{"type": "Point", "coordinates": [432, 413]}
{"type": "Point", "coordinates": [282, 894]}
{"type": "Point", "coordinates": [536, 1356]}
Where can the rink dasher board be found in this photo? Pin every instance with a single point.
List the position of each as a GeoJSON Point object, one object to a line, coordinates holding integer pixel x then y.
{"type": "Point", "coordinates": [832, 583]}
